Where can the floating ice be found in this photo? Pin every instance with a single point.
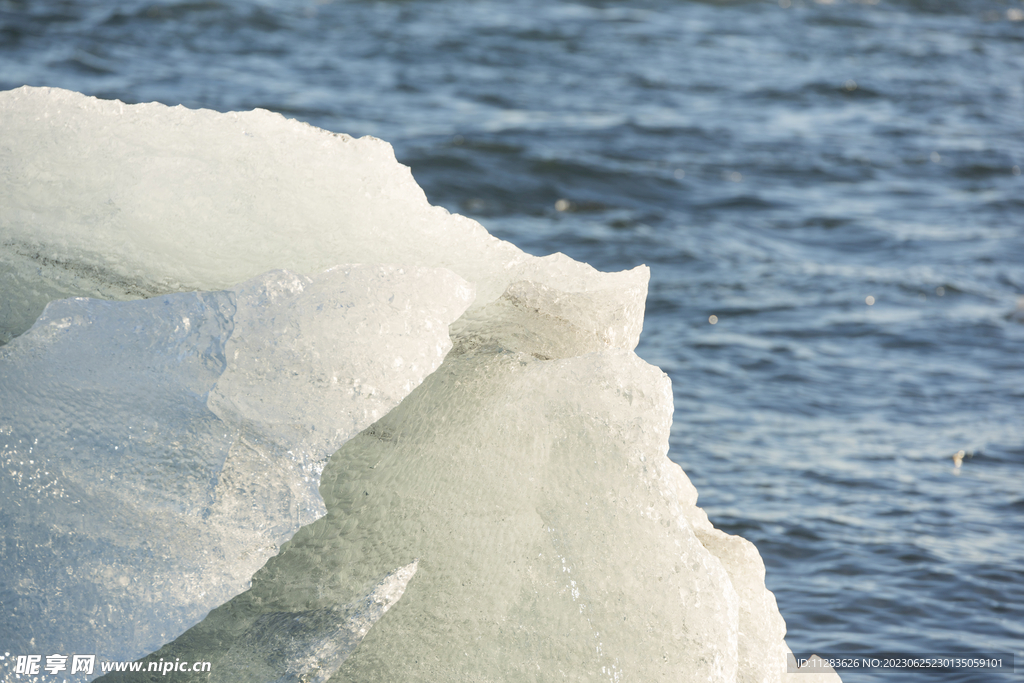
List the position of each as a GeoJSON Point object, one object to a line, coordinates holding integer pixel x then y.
{"type": "Point", "coordinates": [527, 473]}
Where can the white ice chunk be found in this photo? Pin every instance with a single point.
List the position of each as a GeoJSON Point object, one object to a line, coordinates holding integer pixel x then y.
{"type": "Point", "coordinates": [106, 199]}
{"type": "Point", "coordinates": [155, 453]}
{"type": "Point", "coordinates": [556, 540]}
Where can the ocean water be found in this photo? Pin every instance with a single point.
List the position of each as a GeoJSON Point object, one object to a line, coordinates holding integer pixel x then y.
{"type": "Point", "coordinates": [837, 185]}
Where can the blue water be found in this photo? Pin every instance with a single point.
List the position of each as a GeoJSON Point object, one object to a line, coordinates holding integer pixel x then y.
{"type": "Point", "coordinates": [775, 164]}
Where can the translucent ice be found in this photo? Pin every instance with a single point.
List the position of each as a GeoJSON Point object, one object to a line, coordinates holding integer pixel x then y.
{"type": "Point", "coordinates": [155, 453]}
{"type": "Point", "coordinates": [527, 474]}
{"type": "Point", "coordinates": [289, 647]}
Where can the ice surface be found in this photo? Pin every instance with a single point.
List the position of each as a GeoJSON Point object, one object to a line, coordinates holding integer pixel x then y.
{"type": "Point", "coordinates": [289, 647]}
{"type": "Point", "coordinates": [155, 453]}
{"type": "Point", "coordinates": [526, 476]}
{"type": "Point", "coordinates": [105, 199]}
{"type": "Point", "coordinates": [556, 540]}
